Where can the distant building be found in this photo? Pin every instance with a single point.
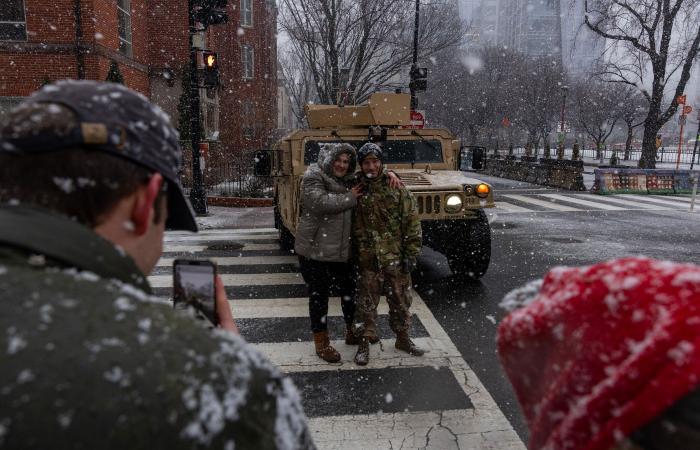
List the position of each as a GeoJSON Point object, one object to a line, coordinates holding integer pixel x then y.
{"type": "Point", "coordinates": [146, 42]}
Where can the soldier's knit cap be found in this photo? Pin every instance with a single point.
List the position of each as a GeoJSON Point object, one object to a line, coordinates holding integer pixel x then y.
{"type": "Point", "coordinates": [370, 148]}
{"type": "Point", "coordinates": [113, 119]}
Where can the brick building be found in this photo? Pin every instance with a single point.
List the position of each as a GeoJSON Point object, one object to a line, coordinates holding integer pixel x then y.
{"type": "Point", "coordinates": [146, 40]}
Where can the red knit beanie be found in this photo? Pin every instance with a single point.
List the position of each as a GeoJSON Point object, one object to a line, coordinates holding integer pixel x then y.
{"type": "Point", "coordinates": [602, 350]}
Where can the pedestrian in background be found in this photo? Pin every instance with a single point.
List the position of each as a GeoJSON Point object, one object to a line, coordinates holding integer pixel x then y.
{"type": "Point", "coordinates": [88, 185]}
{"type": "Point", "coordinates": [387, 234]}
{"type": "Point", "coordinates": [607, 356]}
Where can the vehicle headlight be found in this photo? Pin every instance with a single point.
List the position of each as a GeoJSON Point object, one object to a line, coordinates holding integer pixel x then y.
{"type": "Point", "coordinates": [483, 190]}
{"type": "Point", "coordinates": [453, 203]}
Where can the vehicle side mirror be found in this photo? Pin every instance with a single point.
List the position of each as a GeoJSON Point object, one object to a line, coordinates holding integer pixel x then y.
{"type": "Point", "coordinates": [262, 165]}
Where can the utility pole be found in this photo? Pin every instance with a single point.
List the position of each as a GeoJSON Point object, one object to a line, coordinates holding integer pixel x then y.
{"type": "Point", "coordinates": [695, 146]}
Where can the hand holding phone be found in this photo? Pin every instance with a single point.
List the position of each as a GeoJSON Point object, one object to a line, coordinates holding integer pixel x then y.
{"type": "Point", "coordinates": [194, 285]}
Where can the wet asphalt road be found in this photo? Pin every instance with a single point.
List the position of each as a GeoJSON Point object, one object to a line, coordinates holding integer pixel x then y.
{"type": "Point", "coordinates": [524, 247]}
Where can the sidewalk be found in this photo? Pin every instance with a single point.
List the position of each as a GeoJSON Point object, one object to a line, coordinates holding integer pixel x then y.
{"type": "Point", "coordinates": [223, 217]}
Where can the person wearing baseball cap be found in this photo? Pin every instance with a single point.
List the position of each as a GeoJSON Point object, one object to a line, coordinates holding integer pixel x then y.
{"type": "Point", "coordinates": [88, 185]}
{"type": "Point", "coordinates": [607, 357]}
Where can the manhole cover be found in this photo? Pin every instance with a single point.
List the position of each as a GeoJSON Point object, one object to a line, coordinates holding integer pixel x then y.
{"type": "Point", "coordinates": [223, 246]}
{"type": "Point", "coordinates": [565, 240]}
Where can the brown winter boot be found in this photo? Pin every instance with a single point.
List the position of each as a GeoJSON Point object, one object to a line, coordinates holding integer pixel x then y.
{"type": "Point", "coordinates": [324, 349]}
{"type": "Point", "coordinates": [405, 344]}
{"type": "Point", "coordinates": [362, 355]}
{"type": "Point", "coordinates": [350, 338]}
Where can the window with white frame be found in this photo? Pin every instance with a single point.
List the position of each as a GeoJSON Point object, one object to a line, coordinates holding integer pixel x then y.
{"type": "Point", "coordinates": [247, 13]}
{"type": "Point", "coordinates": [124, 26]}
{"type": "Point", "coordinates": [13, 23]}
{"type": "Point", "coordinates": [248, 60]}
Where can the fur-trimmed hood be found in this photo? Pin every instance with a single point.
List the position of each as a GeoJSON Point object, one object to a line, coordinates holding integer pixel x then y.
{"type": "Point", "coordinates": [330, 152]}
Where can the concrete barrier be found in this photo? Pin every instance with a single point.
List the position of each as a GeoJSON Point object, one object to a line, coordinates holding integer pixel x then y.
{"type": "Point", "coordinates": [549, 172]}
{"type": "Point", "coordinates": [660, 181]}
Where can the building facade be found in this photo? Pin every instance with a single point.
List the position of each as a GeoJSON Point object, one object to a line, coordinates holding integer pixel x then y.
{"type": "Point", "coordinates": [145, 44]}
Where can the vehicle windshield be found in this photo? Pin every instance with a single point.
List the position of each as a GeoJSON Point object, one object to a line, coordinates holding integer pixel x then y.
{"type": "Point", "coordinates": [396, 152]}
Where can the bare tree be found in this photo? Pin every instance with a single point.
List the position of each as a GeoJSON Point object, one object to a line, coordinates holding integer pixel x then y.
{"type": "Point", "coordinates": [632, 112]}
{"type": "Point", "coordinates": [299, 83]}
{"type": "Point", "coordinates": [597, 109]}
{"type": "Point", "coordinates": [361, 46]}
{"type": "Point", "coordinates": [656, 37]}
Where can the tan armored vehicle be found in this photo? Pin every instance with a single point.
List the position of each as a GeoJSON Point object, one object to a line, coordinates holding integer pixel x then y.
{"type": "Point", "coordinates": [427, 161]}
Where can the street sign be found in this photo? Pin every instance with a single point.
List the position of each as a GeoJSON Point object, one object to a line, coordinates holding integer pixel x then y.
{"type": "Point", "coordinates": [505, 122]}
{"type": "Point", "coordinates": [417, 119]}
{"type": "Point", "coordinates": [687, 109]}
{"type": "Point", "coordinates": [680, 100]}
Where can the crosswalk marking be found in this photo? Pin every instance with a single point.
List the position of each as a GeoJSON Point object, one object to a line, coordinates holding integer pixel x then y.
{"type": "Point", "coordinates": [629, 203]}
{"type": "Point", "coordinates": [223, 231]}
{"type": "Point", "coordinates": [672, 197]}
{"type": "Point", "coordinates": [241, 260]}
{"type": "Point", "coordinates": [657, 200]}
{"type": "Point", "coordinates": [166, 281]}
{"type": "Point", "coordinates": [545, 203]}
{"type": "Point", "coordinates": [509, 207]}
{"type": "Point", "coordinates": [480, 425]}
{"type": "Point", "coordinates": [577, 201]}
{"type": "Point", "coordinates": [221, 237]}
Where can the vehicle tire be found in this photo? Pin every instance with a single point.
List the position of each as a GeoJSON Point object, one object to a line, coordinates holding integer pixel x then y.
{"type": "Point", "coordinates": [472, 258]}
{"type": "Point", "coordinates": [285, 236]}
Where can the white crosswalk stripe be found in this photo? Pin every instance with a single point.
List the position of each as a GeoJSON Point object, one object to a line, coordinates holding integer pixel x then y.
{"type": "Point", "coordinates": [477, 424]}
{"type": "Point", "coordinates": [577, 202]}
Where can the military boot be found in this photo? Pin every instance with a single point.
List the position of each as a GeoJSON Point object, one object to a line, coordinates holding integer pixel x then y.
{"type": "Point", "coordinates": [350, 338]}
{"type": "Point", "coordinates": [362, 355]}
{"type": "Point", "coordinates": [405, 344]}
{"type": "Point", "coordinates": [324, 349]}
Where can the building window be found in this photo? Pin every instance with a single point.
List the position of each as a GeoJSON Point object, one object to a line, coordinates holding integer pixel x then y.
{"type": "Point", "coordinates": [247, 13]}
{"type": "Point", "coordinates": [124, 25]}
{"type": "Point", "coordinates": [248, 59]}
{"type": "Point", "coordinates": [13, 25]}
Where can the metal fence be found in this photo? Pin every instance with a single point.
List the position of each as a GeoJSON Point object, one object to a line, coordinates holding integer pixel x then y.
{"type": "Point", "coordinates": [664, 155]}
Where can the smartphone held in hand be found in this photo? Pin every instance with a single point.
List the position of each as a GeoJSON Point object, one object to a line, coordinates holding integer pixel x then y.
{"type": "Point", "coordinates": [193, 285]}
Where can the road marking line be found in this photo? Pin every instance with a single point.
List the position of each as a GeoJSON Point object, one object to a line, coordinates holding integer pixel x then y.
{"type": "Point", "coordinates": [625, 202]}
{"type": "Point", "coordinates": [509, 207]}
{"type": "Point", "coordinates": [199, 248]}
{"type": "Point", "coordinates": [588, 203]}
{"type": "Point", "coordinates": [221, 237]}
{"type": "Point", "coordinates": [256, 279]}
{"type": "Point", "coordinates": [543, 203]}
{"type": "Point", "coordinates": [223, 231]}
{"type": "Point", "coordinates": [646, 198]}
{"type": "Point", "coordinates": [672, 198]}
{"type": "Point", "coordinates": [241, 260]}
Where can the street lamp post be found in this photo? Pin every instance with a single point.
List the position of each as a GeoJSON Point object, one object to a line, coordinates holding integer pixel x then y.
{"type": "Point", "coordinates": [562, 136]}
{"type": "Point", "coordinates": [414, 65]}
{"type": "Point", "coordinates": [198, 196]}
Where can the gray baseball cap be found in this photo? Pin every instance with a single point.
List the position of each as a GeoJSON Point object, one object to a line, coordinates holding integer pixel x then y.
{"type": "Point", "coordinates": [114, 119]}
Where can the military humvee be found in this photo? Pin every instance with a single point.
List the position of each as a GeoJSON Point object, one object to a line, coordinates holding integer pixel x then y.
{"type": "Point", "coordinates": [450, 204]}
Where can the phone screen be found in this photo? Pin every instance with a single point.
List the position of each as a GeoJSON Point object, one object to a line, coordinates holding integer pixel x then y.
{"type": "Point", "coordinates": [194, 286]}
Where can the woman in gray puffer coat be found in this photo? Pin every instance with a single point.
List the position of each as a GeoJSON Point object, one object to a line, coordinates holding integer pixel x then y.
{"type": "Point", "coordinates": [323, 240]}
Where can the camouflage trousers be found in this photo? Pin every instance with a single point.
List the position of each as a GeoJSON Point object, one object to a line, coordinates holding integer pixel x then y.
{"type": "Point", "coordinates": [395, 284]}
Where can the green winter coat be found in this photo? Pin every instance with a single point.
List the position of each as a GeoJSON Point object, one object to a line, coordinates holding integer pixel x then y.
{"type": "Point", "coordinates": [386, 228]}
{"type": "Point", "coordinates": [91, 361]}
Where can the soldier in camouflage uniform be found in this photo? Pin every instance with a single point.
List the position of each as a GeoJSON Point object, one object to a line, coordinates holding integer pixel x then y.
{"type": "Point", "coordinates": [387, 236]}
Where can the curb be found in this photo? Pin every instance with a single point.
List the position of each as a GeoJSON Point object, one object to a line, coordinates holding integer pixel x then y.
{"type": "Point", "coordinates": [238, 202]}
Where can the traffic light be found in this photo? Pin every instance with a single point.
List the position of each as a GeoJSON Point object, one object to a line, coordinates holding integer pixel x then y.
{"type": "Point", "coordinates": [211, 69]}
{"type": "Point", "coordinates": [210, 12]}
{"type": "Point", "coordinates": [419, 78]}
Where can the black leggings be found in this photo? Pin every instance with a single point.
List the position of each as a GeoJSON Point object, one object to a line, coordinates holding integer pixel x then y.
{"type": "Point", "coordinates": [326, 278]}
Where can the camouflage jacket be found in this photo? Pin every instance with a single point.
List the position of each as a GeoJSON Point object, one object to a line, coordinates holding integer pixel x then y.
{"type": "Point", "coordinates": [386, 227]}
{"type": "Point", "coordinates": [91, 361]}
